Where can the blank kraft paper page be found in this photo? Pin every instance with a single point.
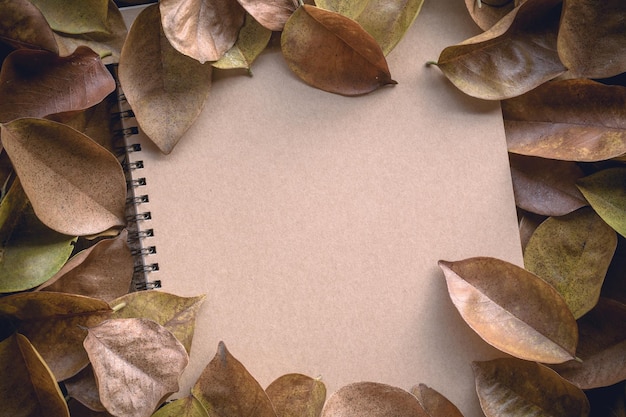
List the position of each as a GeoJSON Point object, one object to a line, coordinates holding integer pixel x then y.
{"type": "Point", "coordinates": [314, 222]}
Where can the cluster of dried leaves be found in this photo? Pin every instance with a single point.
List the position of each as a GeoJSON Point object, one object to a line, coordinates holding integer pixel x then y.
{"type": "Point", "coordinates": [73, 340]}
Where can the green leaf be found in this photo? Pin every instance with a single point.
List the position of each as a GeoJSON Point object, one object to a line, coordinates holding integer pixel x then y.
{"type": "Point", "coordinates": [183, 407]}
{"type": "Point", "coordinates": [75, 16]}
{"type": "Point", "coordinates": [253, 38]}
{"type": "Point", "coordinates": [606, 192]}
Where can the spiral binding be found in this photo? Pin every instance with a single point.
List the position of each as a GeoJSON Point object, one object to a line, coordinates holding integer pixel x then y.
{"type": "Point", "coordinates": [136, 215]}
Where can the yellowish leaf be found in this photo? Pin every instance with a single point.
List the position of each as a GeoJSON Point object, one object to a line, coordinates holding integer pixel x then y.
{"type": "Point", "coordinates": [297, 395]}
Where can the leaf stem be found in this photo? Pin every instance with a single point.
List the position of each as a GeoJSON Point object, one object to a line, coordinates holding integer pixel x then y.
{"type": "Point", "coordinates": [118, 307]}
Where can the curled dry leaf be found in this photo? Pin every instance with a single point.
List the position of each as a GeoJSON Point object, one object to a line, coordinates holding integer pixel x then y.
{"type": "Point", "coordinates": [602, 347]}
{"type": "Point", "coordinates": [574, 120]}
{"type": "Point", "coordinates": [183, 407]}
{"type": "Point", "coordinates": [592, 39]}
{"type": "Point", "coordinates": [487, 13]}
{"type": "Point", "coordinates": [253, 39]}
{"type": "Point", "coordinates": [55, 323]}
{"type": "Point", "coordinates": [528, 223]}
{"type": "Point", "coordinates": [512, 309]}
{"type": "Point", "coordinates": [516, 55]}
{"type": "Point", "coordinates": [271, 14]}
{"type": "Point", "coordinates": [546, 186]}
{"type": "Point", "coordinates": [297, 395]}
{"type": "Point", "coordinates": [88, 182]}
{"type": "Point", "coordinates": [27, 387]}
{"type": "Point", "coordinates": [202, 29]}
{"type": "Point", "coordinates": [333, 53]}
{"type": "Point", "coordinates": [40, 83]}
{"type": "Point", "coordinates": [434, 403]}
{"type": "Point", "coordinates": [387, 21]}
{"type": "Point", "coordinates": [75, 17]}
{"type": "Point", "coordinates": [227, 389]}
{"type": "Point", "coordinates": [606, 192]}
{"type": "Point", "coordinates": [372, 399]}
{"type": "Point", "coordinates": [104, 270]}
{"type": "Point", "coordinates": [82, 387]}
{"type": "Point", "coordinates": [572, 253]}
{"type": "Point", "coordinates": [23, 26]}
{"type": "Point", "coordinates": [137, 364]}
{"type": "Point", "coordinates": [515, 388]}
{"type": "Point", "coordinates": [177, 314]}
{"type": "Point", "coordinates": [165, 88]}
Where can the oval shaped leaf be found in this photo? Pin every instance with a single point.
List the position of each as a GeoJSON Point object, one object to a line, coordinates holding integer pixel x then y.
{"type": "Point", "coordinates": [271, 14]}
{"type": "Point", "coordinates": [39, 83]}
{"type": "Point", "coordinates": [514, 388]}
{"type": "Point", "coordinates": [516, 55]}
{"type": "Point", "coordinates": [183, 407]}
{"type": "Point", "coordinates": [434, 403]}
{"type": "Point", "coordinates": [372, 399]}
{"type": "Point", "coordinates": [512, 309]}
{"type": "Point", "coordinates": [227, 389]}
{"type": "Point", "coordinates": [574, 120]}
{"type": "Point", "coordinates": [592, 39]}
{"type": "Point", "coordinates": [167, 102]}
{"type": "Point", "coordinates": [333, 53]}
{"type": "Point", "coordinates": [606, 192]}
{"type": "Point", "coordinates": [23, 26]}
{"type": "Point", "coordinates": [82, 387]}
{"type": "Point", "coordinates": [573, 253]}
{"type": "Point", "coordinates": [487, 13]}
{"type": "Point", "coordinates": [27, 386]}
{"type": "Point", "coordinates": [76, 16]}
{"type": "Point", "coordinates": [297, 395]}
{"type": "Point", "coordinates": [253, 39]}
{"type": "Point", "coordinates": [201, 29]}
{"type": "Point", "coordinates": [546, 186]}
{"type": "Point", "coordinates": [137, 363]}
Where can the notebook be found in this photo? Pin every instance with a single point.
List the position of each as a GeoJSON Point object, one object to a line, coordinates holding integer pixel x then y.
{"type": "Point", "coordinates": [314, 222]}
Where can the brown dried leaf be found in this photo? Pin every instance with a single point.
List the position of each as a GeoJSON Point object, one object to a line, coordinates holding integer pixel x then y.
{"type": "Point", "coordinates": [88, 182]}
{"type": "Point", "coordinates": [202, 29]}
{"type": "Point", "coordinates": [572, 253]}
{"type": "Point", "coordinates": [271, 14]}
{"type": "Point", "coordinates": [434, 403]}
{"type": "Point", "coordinates": [55, 323]}
{"type": "Point", "coordinates": [23, 26]}
{"type": "Point", "coordinates": [602, 347]}
{"type": "Point", "coordinates": [183, 407]}
{"type": "Point", "coordinates": [512, 309]}
{"type": "Point", "coordinates": [546, 186]}
{"type": "Point", "coordinates": [592, 39]}
{"type": "Point", "coordinates": [227, 389]}
{"type": "Point", "coordinates": [253, 39]}
{"type": "Point", "coordinates": [165, 88]}
{"type": "Point", "coordinates": [487, 13]}
{"type": "Point", "coordinates": [137, 364]}
{"type": "Point", "coordinates": [177, 314]}
{"type": "Point", "coordinates": [514, 388]}
{"type": "Point", "coordinates": [297, 395]}
{"type": "Point", "coordinates": [516, 55]}
{"type": "Point", "coordinates": [372, 399]}
{"type": "Point", "coordinates": [104, 270]}
{"type": "Point", "coordinates": [27, 387]}
{"type": "Point", "coordinates": [76, 16]}
{"type": "Point", "coordinates": [575, 120]}
{"type": "Point", "coordinates": [39, 83]}
{"type": "Point", "coordinates": [528, 223]}
{"type": "Point", "coordinates": [82, 387]}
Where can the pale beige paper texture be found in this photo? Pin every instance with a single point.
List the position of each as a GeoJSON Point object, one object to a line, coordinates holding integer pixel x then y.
{"type": "Point", "coordinates": [314, 222]}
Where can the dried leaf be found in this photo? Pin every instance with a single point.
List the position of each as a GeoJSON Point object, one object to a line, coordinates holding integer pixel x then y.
{"type": "Point", "coordinates": [297, 395]}
{"type": "Point", "coordinates": [512, 309]}
{"type": "Point", "coordinates": [528, 223]}
{"type": "Point", "coordinates": [177, 314]}
{"type": "Point", "coordinates": [30, 252]}
{"type": "Point", "coordinates": [183, 407]}
{"type": "Point", "coordinates": [333, 53]}
{"type": "Point", "coordinates": [271, 14]}
{"type": "Point", "coordinates": [372, 399]}
{"type": "Point", "coordinates": [434, 403]}
{"type": "Point", "coordinates": [137, 363]}
{"type": "Point", "coordinates": [606, 192]}
{"type": "Point", "coordinates": [516, 55]}
{"type": "Point", "coordinates": [592, 39]}
{"type": "Point", "coordinates": [89, 184]}
{"type": "Point", "coordinates": [602, 347]}
{"type": "Point", "coordinates": [76, 16]}
{"type": "Point", "coordinates": [23, 26]}
{"type": "Point", "coordinates": [55, 323]}
{"type": "Point", "coordinates": [165, 88]}
{"type": "Point", "coordinates": [227, 389]}
{"type": "Point", "coordinates": [27, 387]}
{"type": "Point", "coordinates": [511, 387]}
{"type": "Point", "coordinates": [572, 253]}
{"type": "Point", "coordinates": [253, 39]}
{"type": "Point", "coordinates": [39, 83]}
{"type": "Point", "coordinates": [575, 120]}
{"type": "Point", "coordinates": [82, 387]}
{"type": "Point", "coordinates": [202, 29]}
{"type": "Point", "coordinates": [546, 186]}
{"type": "Point", "coordinates": [487, 13]}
